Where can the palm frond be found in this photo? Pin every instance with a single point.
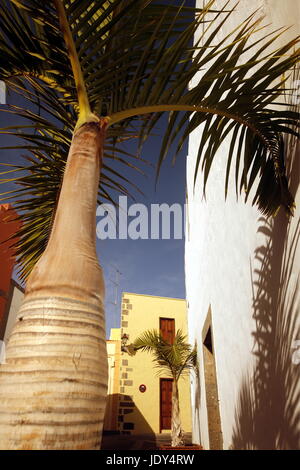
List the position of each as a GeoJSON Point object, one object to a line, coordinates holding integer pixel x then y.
{"type": "Point", "coordinates": [176, 358]}
{"type": "Point", "coordinates": [138, 59]}
{"type": "Point", "coordinates": [239, 100]}
{"type": "Point", "coordinates": [148, 340]}
{"type": "Point", "coordinates": [35, 182]}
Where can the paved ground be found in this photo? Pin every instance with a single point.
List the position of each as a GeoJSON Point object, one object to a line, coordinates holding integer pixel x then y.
{"type": "Point", "coordinates": [138, 442]}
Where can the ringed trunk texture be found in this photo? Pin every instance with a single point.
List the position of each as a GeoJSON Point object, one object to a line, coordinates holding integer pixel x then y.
{"type": "Point", "coordinates": [176, 431]}
{"type": "Point", "coordinates": [53, 384]}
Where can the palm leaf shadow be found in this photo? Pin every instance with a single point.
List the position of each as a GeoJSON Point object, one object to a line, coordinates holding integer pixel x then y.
{"type": "Point", "coordinates": [267, 411]}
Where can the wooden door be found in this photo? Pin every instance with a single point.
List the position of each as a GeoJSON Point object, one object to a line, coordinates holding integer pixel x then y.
{"type": "Point", "coordinates": [165, 403]}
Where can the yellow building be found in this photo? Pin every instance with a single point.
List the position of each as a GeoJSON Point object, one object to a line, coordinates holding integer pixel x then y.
{"type": "Point", "coordinates": [145, 396]}
{"type": "Point", "coordinates": [113, 347]}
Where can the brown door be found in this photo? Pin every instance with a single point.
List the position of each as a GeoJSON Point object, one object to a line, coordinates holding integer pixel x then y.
{"type": "Point", "coordinates": [167, 329]}
{"type": "Point", "coordinates": [165, 403]}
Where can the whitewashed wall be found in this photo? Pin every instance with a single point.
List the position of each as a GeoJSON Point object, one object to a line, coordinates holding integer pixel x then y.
{"type": "Point", "coordinates": [242, 265]}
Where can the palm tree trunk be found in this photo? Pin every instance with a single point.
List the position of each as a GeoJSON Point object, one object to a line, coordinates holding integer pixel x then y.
{"type": "Point", "coordinates": [176, 431]}
{"type": "Point", "coordinates": [53, 385]}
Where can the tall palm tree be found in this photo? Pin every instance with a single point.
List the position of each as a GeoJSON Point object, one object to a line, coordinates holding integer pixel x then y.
{"type": "Point", "coordinates": [93, 74]}
{"type": "Point", "coordinates": [174, 359]}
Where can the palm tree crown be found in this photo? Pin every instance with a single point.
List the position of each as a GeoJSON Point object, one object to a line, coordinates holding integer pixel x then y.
{"type": "Point", "coordinates": [132, 61]}
{"type": "Point", "coordinates": [175, 359]}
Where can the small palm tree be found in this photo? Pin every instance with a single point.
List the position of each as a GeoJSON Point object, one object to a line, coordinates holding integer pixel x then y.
{"type": "Point", "coordinates": [93, 74]}
{"type": "Point", "coordinates": [174, 359]}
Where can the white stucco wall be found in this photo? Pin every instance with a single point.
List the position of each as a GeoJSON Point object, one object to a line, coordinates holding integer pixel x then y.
{"type": "Point", "coordinates": [229, 249]}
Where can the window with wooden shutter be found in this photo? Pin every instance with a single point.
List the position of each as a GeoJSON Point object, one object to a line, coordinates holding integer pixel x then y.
{"type": "Point", "coordinates": [167, 329]}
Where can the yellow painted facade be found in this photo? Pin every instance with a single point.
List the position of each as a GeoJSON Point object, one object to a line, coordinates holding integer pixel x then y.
{"type": "Point", "coordinates": [139, 412]}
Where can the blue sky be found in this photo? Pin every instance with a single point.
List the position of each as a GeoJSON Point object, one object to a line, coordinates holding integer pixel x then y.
{"type": "Point", "coordinates": [153, 267]}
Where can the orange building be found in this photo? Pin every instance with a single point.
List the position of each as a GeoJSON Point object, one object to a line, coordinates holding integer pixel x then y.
{"type": "Point", "coordinates": [8, 226]}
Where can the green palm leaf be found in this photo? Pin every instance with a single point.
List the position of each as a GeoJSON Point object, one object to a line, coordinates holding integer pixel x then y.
{"type": "Point", "coordinates": [175, 358]}
{"type": "Point", "coordinates": [134, 61]}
